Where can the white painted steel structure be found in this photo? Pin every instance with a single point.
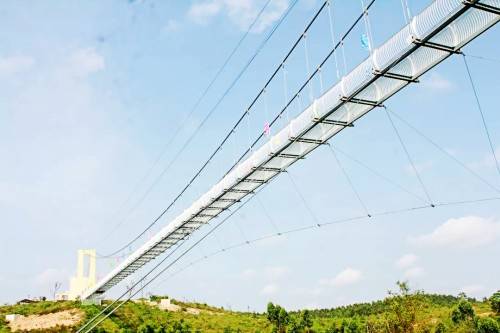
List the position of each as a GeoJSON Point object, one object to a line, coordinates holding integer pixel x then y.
{"type": "Point", "coordinates": [432, 36]}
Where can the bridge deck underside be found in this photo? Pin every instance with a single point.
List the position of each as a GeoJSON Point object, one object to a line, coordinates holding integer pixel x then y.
{"type": "Point", "coordinates": [436, 33]}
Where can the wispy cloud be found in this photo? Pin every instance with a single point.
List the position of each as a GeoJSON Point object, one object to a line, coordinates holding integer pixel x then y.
{"type": "Point", "coordinates": [171, 26]}
{"type": "Point", "coordinates": [203, 12]}
{"type": "Point", "coordinates": [269, 273]}
{"type": "Point", "coordinates": [278, 7]}
{"type": "Point", "coordinates": [269, 289]}
{"type": "Point", "coordinates": [487, 161]}
{"type": "Point", "coordinates": [407, 260]}
{"type": "Point", "coordinates": [249, 273]}
{"type": "Point", "coordinates": [473, 289]}
{"type": "Point", "coordinates": [51, 275]}
{"type": "Point", "coordinates": [408, 264]}
{"type": "Point", "coordinates": [347, 277]}
{"type": "Point", "coordinates": [240, 13]}
{"type": "Point", "coordinates": [276, 272]}
{"type": "Point", "coordinates": [437, 82]}
{"type": "Point", "coordinates": [15, 64]}
{"type": "Point", "coordinates": [84, 62]}
{"type": "Point", "coordinates": [413, 272]}
{"type": "Point", "coordinates": [64, 127]}
{"type": "Point", "coordinates": [464, 232]}
{"type": "Point", "coordinates": [421, 167]}
{"type": "Point", "coordinates": [309, 291]}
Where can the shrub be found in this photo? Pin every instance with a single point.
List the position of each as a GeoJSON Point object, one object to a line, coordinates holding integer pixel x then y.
{"type": "Point", "coordinates": [181, 327]}
{"type": "Point", "coordinates": [146, 328]}
{"type": "Point", "coordinates": [487, 325]}
{"type": "Point", "coordinates": [440, 328]}
{"type": "Point", "coordinates": [157, 298]}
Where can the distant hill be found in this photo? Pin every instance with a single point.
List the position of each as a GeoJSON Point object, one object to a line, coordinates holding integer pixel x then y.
{"type": "Point", "coordinates": [400, 312]}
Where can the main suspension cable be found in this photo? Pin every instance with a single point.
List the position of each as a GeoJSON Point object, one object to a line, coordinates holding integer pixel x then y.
{"type": "Point", "coordinates": [226, 138]}
{"type": "Point", "coordinates": [299, 91]}
{"type": "Point", "coordinates": [187, 118]}
{"type": "Point", "coordinates": [339, 44]}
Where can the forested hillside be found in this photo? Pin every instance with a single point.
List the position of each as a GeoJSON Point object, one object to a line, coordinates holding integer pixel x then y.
{"type": "Point", "coordinates": [401, 311]}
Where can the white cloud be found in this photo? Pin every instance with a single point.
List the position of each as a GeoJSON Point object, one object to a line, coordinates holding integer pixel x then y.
{"type": "Point", "coordinates": [413, 272]}
{"type": "Point", "coordinates": [406, 261]}
{"type": "Point", "coordinates": [86, 61]}
{"type": "Point", "coordinates": [269, 16]}
{"type": "Point", "coordinates": [437, 82]}
{"type": "Point", "coordinates": [269, 289]}
{"type": "Point", "coordinates": [202, 12]}
{"type": "Point", "coordinates": [51, 115]}
{"type": "Point", "coordinates": [240, 13]}
{"type": "Point", "coordinates": [464, 232]}
{"type": "Point", "coordinates": [346, 277]}
{"type": "Point", "coordinates": [15, 64]}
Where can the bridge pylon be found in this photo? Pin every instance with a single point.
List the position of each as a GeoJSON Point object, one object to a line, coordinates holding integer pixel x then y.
{"type": "Point", "coordinates": [85, 277]}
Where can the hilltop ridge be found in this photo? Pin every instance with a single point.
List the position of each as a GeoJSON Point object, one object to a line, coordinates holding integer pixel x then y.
{"type": "Point", "coordinates": [401, 311]}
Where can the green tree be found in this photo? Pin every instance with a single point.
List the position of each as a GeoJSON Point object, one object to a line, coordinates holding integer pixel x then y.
{"type": "Point", "coordinates": [302, 323]}
{"type": "Point", "coordinates": [278, 317]}
{"type": "Point", "coordinates": [495, 302]}
{"type": "Point", "coordinates": [348, 325]}
{"type": "Point", "coordinates": [462, 312]}
{"type": "Point", "coordinates": [306, 322]}
{"type": "Point", "coordinates": [404, 306]}
{"type": "Point", "coordinates": [295, 326]}
{"type": "Point", "coordinates": [351, 325]}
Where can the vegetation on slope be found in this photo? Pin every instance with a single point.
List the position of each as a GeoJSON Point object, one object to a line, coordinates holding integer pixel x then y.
{"type": "Point", "coordinates": [404, 311]}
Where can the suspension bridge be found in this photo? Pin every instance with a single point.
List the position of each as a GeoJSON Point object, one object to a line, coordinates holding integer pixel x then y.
{"type": "Point", "coordinates": [438, 32]}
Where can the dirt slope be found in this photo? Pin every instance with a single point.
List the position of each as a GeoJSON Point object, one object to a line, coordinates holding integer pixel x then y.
{"type": "Point", "coordinates": [62, 318]}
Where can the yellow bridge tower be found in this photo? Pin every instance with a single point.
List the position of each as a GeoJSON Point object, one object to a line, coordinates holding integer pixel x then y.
{"type": "Point", "coordinates": [81, 281]}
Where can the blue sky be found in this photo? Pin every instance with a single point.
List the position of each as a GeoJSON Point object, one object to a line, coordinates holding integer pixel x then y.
{"type": "Point", "coordinates": [90, 93]}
